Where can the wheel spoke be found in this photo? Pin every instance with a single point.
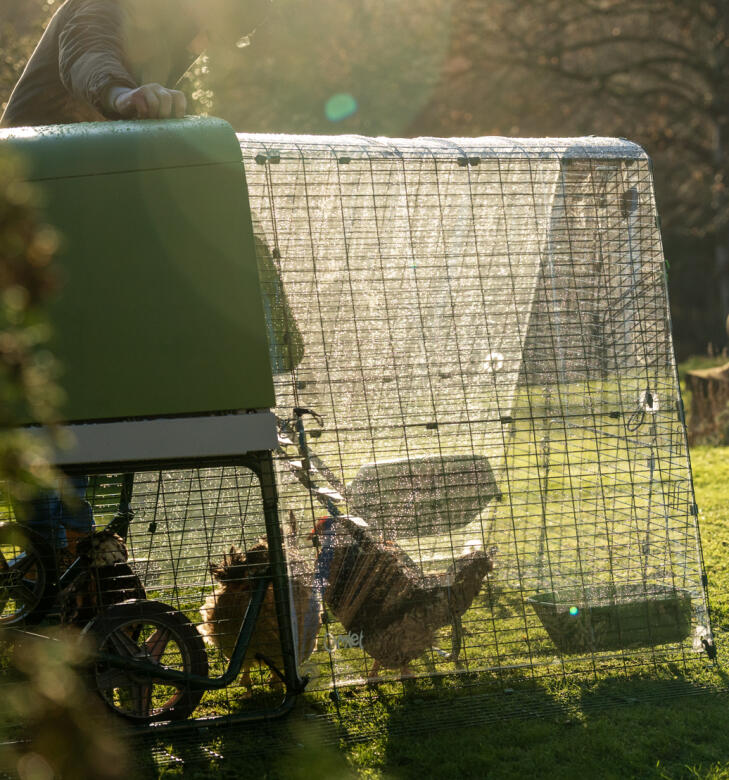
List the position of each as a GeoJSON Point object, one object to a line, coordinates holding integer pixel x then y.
{"type": "Point", "coordinates": [24, 594]}
{"type": "Point", "coordinates": [142, 699]}
{"type": "Point", "coordinates": [123, 644]}
{"type": "Point", "coordinates": [26, 587]}
{"type": "Point", "coordinates": [157, 643]}
{"type": "Point", "coordinates": [22, 566]}
{"type": "Point", "coordinates": [109, 679]}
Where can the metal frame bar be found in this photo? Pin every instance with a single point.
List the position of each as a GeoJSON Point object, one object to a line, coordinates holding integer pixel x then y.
{"type": "Point", "coordinates": [261, 464]}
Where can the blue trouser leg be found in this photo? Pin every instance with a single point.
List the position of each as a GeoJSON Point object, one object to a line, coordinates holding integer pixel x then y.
{"type": "Point", "coordinates": [78, 515]}
{"type": "Point", "coordinates": [43, 514]}
{"type": "Point", "coordinates": [50, 516]}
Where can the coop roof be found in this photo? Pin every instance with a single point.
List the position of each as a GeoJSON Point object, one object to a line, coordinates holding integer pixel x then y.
{"type": "Point", "coordinates": [586, 147]}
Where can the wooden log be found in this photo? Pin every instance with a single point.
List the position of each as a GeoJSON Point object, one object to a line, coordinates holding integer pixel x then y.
{"type": "Point", "coordinates": [709, 420]}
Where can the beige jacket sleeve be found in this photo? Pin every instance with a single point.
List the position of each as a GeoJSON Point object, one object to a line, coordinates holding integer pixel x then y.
{"type": "Point", "coordinates": [91, 51]}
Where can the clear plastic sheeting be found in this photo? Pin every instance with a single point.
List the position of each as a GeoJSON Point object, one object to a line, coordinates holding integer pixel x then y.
{"type": "Point", "coordinates": [481, 329]}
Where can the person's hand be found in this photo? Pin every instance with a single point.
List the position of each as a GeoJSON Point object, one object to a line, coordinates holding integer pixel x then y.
{"type": "Point", "coordinates": [150, 101]}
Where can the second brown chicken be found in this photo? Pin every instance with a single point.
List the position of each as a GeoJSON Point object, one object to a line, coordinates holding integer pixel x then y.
{"type": "Point", "coordinates": [224, 610]}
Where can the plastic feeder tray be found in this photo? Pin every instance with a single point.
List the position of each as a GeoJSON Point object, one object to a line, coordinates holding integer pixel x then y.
{"type": "Point", "coordinates": [614, 618]}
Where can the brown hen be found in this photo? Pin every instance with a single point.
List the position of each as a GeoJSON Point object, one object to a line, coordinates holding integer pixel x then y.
{"type": "Point", "coordinates": [223, 611]}
{"type": "Point", "coordinates": [376, 590]}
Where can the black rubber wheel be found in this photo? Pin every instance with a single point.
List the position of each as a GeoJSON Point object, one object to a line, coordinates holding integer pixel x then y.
{"type": "Point", "coordinates": [160, 635]}
{"type": "Point", "coordinates": [27, 581]}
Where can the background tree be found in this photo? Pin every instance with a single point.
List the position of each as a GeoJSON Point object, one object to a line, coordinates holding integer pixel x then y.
{"type": "Point", "coordinates": [21, 25]}
{"type": "Point", "coordinates": [654, 71]}
{"type": "Point", "coordinates": [326, 66]}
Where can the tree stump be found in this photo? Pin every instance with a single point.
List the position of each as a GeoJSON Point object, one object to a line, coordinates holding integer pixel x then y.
{"type": "Point", "coordinates": [709, 404]}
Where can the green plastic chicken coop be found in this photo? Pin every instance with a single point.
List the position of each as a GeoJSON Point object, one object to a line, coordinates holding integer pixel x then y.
{"type": "Point", "coordinates": [159, 313]}
{"type": "Point", "coordinates": [476, 333]}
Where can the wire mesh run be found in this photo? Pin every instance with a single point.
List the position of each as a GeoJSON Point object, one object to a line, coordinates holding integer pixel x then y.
{"type": "Point", "coordinates": [495, 476]}
{"type": "Point", "coordinates": [482, 462]}
{"type": "Point", "coordinates": [185, 528]}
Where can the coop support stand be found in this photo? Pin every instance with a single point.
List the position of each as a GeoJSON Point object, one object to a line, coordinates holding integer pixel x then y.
{"type": "Point", "coordinates": [260, 462]}
{"type": "Point", "coordinates": [276, 575]}
{"type": "Point", "coordinates": [279, 573]}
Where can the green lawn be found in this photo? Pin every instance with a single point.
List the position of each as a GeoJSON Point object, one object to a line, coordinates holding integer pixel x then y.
{"type": "Point", "coordinates": [652, 724]}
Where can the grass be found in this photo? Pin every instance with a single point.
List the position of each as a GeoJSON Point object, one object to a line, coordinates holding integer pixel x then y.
{"type": "Point", "coordinates": [650, 724]}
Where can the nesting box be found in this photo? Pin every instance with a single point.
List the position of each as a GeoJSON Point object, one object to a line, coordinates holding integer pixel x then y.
{"type": "Point", "coordinates": [159, 311]}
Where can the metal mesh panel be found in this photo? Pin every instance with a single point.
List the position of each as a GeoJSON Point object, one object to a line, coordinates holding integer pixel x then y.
{"type": "Point", "coordinates": [485, 336]}
{"type": "Point", "coordinates": [185, 523]}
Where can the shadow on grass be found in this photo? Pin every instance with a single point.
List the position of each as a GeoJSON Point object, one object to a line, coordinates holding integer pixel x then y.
{"type": "Point", "coordinates": [629, 727]}
{"type": "Point", "coordinates": [300, 745]}
{"type": "Point", "coordinates": [620, 726]}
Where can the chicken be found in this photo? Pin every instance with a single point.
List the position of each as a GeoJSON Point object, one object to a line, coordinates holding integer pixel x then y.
{"type": "Point", "coordinates": [224, 610]}
{"type": "Point", "coordinates": [104, 578]}
{"type": "Point", "coordinates": [379, 594]}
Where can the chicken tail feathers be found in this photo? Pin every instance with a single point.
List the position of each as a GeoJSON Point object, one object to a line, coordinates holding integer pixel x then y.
{"type": "Point", "coordinates": [468, 574]}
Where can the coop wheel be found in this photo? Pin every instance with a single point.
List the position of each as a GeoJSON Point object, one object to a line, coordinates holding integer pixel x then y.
{"type": "Point", "coordinates": [27, 584]}
{"type": "Point", "coordinates": [160, 635]}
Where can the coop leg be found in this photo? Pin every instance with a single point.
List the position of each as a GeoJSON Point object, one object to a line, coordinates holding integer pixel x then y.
{"type": "Point", "coordinates": [294, 683]}
{"type": "Point", "coordinates": [374, 671]}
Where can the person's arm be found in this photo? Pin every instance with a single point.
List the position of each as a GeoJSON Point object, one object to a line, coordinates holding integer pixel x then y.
{"type": "Point", "coordinates": [93, 68]}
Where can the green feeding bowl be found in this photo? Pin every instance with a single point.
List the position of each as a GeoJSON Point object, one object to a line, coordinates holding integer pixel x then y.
{"type": "Point", "coordinates": [619, 617]}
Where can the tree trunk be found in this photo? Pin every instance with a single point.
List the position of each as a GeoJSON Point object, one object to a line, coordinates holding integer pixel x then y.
{"type": "Point", "coordinates": [709, 422]}
{"type": "Point", "coordinates": [721, 266]}
{"type": "Point", "coordinates": [720, 206]}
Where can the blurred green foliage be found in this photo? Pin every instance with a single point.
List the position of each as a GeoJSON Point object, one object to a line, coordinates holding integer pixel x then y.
{"type": "Point", "coordinates": [64, 731]}
{"type": "Point", "coordinates": [27, 369]}
{"type": "Point", "coordinates": [51, 725]}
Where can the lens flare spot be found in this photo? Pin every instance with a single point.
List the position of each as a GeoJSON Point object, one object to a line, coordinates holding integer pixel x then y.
{"type": "Point", "coordinates": [574, 611]}
{"type": "Point", "coordinates": [340, 106]}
